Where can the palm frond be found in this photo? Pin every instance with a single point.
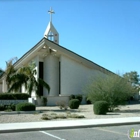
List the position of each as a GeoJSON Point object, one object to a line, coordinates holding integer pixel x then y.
{"type": "Point", "coordinates": [15, 87]}
{"type": "Point", "coordinates": [44, 84]}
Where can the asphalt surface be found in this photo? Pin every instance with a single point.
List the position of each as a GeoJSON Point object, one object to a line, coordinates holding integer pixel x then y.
{"type": "Point", "coordinates": [94, 133]}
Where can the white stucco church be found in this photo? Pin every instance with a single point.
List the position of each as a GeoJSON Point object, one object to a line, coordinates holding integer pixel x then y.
{"type": "Point", "coordinates": [65, 71]}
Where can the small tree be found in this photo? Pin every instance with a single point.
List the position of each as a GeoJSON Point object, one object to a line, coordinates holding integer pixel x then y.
{"type": "Point", "coordinates": [113, 89]}
{"type": "Point", "coordinates": [133, 78]}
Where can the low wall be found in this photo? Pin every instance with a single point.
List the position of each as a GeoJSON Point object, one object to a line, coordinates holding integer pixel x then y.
{"type": "Point", "coordinates": [53, 100]}
{"type": "Point", "coordinates": [8, 102]}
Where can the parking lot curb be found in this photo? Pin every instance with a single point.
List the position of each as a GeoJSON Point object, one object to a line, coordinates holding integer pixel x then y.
{"type": "Point", "coordinates": [80, 124]}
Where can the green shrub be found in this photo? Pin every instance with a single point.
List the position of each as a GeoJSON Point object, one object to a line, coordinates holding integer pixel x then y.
{"type": "Point", "coordinates": [100, 107]}
{"type": "Point", "coordinates": [74, 104]}
{"type": "Point", "coordinates": [2, 108]}
{"type": "Point", "coordinates": [87, 100]}
{"type": "Point", "coordinates": [110, 88]}
{"type": "Point", "coordinates": [72, 97]}
{"type": "Point", "coordinates": [12, 107]}
{"type": "Point", "coordinates": [7, 107]}
{"type": "Point", "coordinates": [25, 107]}
{"type": "Point", "coordinates": [22, 96]}
{"type": "Point", "coordinates": [14, 96]}
{"type": "Point", "coordinates": [79, 97]}
{"type": "Point", "coordinates": [7, 96]}
{"type": "Point", "coordinates": [45, 101]}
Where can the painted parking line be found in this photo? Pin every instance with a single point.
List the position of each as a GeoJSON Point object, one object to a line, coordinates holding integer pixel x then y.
{"type": "Point", "coordinates": [51, 135]}
{"type": "Point", "coordinates": [110, 131]}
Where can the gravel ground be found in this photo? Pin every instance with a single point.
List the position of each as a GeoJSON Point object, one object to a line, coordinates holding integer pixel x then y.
{"type": "Point", "coordinates": [86, 110]}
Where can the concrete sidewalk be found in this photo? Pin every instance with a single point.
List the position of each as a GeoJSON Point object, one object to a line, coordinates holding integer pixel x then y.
{"type": "Point", "coordinates": [66, 124]}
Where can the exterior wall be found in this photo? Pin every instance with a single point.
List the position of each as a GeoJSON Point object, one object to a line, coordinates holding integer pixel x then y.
{"type": "Point", "coordinates": [23, 90]}
{"type": "Point", "coordinates": [74, 76]}
{"type": "Point", "coordinates": [51, 74]}
{"type": "Point", "coordinates": [4, 86]}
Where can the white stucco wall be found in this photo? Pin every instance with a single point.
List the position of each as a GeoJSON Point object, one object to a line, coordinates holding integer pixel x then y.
{"type": "Point", "coordinates": [51, 74]}
{"type": "Point", "coordinates": [23, 90]}
{"type": "Point", "coordinates": [74, 76]}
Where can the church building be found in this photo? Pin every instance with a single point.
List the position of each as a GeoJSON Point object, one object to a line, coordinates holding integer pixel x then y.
{"type": "Point", "coordinates": [65, 71]}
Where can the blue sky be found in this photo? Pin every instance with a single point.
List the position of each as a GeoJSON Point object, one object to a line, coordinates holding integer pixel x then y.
{"type": "Point", "coordinates": [106, 32]}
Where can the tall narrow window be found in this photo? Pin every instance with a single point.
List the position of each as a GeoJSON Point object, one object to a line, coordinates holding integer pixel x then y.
{"type": "Point", "coordinates": [59, 77]}
{"type": "Point", "coordinates": [41, 76]}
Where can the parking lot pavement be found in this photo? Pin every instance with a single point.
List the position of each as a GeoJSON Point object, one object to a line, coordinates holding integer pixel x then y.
{"type": "Point", "coordinates": [94, 133]}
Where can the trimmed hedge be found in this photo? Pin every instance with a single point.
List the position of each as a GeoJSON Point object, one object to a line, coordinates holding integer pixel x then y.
{"type": "Point", "coordinates": [25, 107]}
{"type": "Point", "coordinates": [14, 96]}
{"type": "Point", "coordinates": [79, 97]}
{"type": "Point", "coordinates": [74, 104]}
{"type": "Point", "coordinates": [100, 107]}
{"type": "Point", "coordinates": [12, 107]}
{"type": "Point", "coordinates": [72, 97]}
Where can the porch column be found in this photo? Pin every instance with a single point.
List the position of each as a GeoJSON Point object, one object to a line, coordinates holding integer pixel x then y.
{"type": "Point", "coordinates": [51, 74]}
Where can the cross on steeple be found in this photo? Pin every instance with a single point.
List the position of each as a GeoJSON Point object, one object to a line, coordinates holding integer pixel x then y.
{"type": "Point", "coordinates": [51, 12]}
{"type": "Point", "coordinates": [51, 33]}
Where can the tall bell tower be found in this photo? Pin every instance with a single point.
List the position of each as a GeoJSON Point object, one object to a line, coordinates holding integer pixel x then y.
{"type": "Point", "coordinates": [51, 33]}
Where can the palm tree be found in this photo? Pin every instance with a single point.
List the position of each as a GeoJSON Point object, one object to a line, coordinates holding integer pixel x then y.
{"type": "Point", "coordinates": [1, 72]}
{"type": "Point", "coordinates": [10, 70]}
{"type": "Point", "coordinates": [26, 76]}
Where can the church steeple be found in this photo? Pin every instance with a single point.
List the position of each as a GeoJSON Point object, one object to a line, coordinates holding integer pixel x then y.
{"type": "Point", "coordinates": [51, 33]}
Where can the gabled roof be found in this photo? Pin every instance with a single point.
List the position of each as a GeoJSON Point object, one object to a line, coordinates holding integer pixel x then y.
{"type": "Point", "coordinates": [60, 49]}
